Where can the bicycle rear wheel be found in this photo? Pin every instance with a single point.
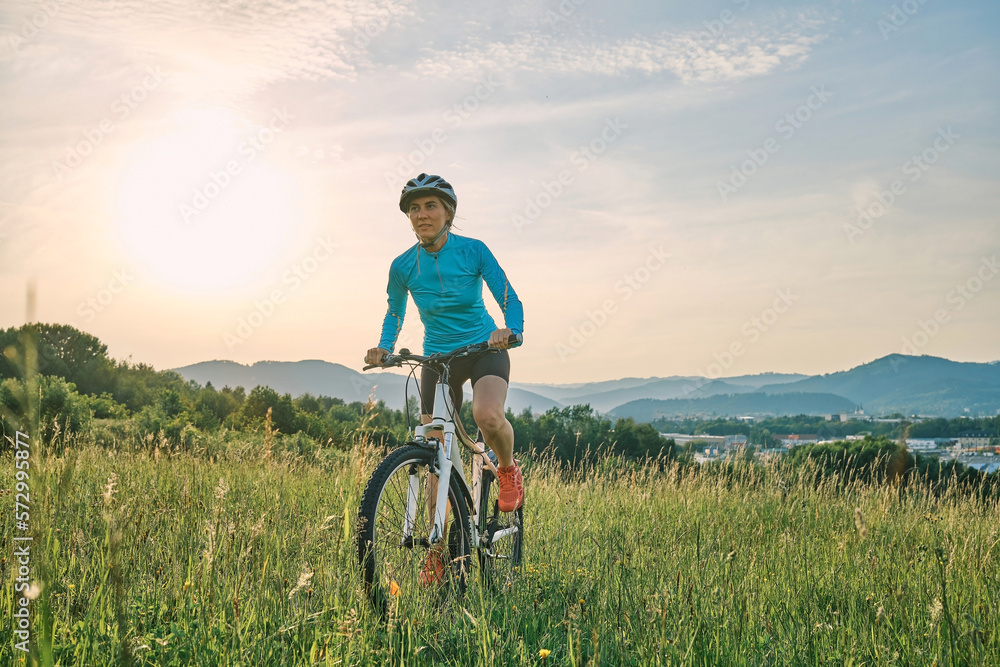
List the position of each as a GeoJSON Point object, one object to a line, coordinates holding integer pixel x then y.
{"type": "Point", "coordinates": [394, 525]}
{"type": "Point", "coordinates": [502, 534]}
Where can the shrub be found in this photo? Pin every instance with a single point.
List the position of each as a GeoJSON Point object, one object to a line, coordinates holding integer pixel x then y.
{"type": "Point", "coordinates": [60, 410]}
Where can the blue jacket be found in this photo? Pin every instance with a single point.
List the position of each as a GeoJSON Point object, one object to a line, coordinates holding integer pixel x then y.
{"type": "Point", "coordinates": [447, 287]}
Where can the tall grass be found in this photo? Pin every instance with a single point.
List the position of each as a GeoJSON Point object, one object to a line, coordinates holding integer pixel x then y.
{"type": "Point", "coordinates": [225, 556]}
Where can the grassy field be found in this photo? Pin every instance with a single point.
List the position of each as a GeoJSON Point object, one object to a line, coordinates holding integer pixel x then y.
{"type": "Point", "coordinates": [235, 557]}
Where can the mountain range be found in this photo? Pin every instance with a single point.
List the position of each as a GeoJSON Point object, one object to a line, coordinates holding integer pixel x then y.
{"type": "Point", "coordinates": [896, 383]}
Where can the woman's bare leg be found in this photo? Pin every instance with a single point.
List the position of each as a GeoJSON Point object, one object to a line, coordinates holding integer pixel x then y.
{"type": "Point", "coordinates": [488, 397]}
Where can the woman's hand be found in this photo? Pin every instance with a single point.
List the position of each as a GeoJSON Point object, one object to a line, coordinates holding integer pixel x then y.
{"type": "Point", "coordinates": [375, 355]}
{"type": "Point", "coordinates": [498, 338]}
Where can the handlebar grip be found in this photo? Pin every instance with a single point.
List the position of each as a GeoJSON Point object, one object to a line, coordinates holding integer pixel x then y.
{"type": "Point", "coordinates": [514, 340]}
{"type": "Point", "coordinates": [388, 361]}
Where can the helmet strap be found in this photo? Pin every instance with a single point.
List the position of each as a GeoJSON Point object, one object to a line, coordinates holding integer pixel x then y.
{"type": "Point", "coordinates": [432, 242]}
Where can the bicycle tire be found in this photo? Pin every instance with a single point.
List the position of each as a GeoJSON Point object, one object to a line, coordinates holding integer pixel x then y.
{"type": "Point", "coordinates": [499, 560]}
{"type": "Point", "coordinates": [391, 568]}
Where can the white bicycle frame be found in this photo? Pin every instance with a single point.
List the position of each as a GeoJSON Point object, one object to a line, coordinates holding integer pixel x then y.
{"type": "Point", "coordinates": [449, 457]}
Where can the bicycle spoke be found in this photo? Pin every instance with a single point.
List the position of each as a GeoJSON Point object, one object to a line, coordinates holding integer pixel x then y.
{"type": "Point", "coordinates": [402, 570]}
{"type": "Point", "coordinates": [502, 538]}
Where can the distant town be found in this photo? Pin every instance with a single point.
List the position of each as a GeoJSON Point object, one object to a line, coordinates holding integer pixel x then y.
{"type": "Point", "coordinates": [977, 449]}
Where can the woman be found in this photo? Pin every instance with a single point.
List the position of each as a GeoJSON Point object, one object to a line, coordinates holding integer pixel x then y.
{"type": "Point", "coordinates": [444, 273]}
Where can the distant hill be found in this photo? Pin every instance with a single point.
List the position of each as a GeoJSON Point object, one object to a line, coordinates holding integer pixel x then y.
{"type": "Point", "coordinates": [896, 383]}
{"type": "Point", "coordinates": [755, 404]}
{"type": "Point", "coordinates": [604, 396]}
{"type": "Point", "coordinates": [911, 385]}
{"type": "Point", "coordinates": [322, 378]}
{"type": "Point", "coordinates": [569, 394]}
{"type": "Point", "coordinates": [294, 377]}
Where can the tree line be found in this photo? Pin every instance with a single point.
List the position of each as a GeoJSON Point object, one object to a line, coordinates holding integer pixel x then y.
{"type": "Point", "coordinates": [763, 432]}
{"type": "Point", "coordinates": [78, 386]}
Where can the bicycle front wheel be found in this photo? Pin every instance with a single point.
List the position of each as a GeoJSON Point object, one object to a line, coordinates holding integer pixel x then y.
{"type": "Point", "coordinates": [398, 564]}
{"type": "Point", "coordinates": [502, 536]}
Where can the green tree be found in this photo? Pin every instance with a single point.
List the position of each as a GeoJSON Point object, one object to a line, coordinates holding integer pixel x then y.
{"type": "Point", "coordinates": [61, 410]}
{"type": "Point", "coordinates": [253, 412]}
{"type": "Point", "coordinates": [63, 351]}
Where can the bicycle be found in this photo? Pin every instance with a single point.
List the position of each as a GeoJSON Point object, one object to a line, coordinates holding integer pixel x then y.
{"type": "Point", "coordinates": [396, 533]}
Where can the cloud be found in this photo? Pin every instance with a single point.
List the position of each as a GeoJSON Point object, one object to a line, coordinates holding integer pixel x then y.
{"type": "Point", "coordinates": [234, 47]}
{"type": "Point", "coordinates": [692, 56]}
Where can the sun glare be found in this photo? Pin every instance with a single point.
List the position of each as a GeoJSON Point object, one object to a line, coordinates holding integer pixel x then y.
{"type": "Point", "coordinates": [202, 208]}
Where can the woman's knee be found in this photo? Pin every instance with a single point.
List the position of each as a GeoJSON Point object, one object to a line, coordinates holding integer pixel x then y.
{"type": "Point", "coordinates": [489, 418]}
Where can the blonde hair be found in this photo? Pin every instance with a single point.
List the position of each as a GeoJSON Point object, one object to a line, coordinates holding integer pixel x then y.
{"type": "Point", "coordinates": [451, 211]}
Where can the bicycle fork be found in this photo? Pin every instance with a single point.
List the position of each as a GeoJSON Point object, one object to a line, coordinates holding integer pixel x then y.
{"type": "Point", "coordinates": [445, 462]}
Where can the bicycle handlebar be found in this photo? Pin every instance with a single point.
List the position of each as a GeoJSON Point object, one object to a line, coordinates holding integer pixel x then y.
{"type": "Point", "coordinates": [392, 360]}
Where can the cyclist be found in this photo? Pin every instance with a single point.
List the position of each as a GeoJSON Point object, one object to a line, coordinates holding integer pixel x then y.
{"type": "Point", "coordinates": [444, 273]}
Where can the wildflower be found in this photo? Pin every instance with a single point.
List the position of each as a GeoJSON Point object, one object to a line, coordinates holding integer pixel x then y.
{"type": "Point", "coordinates": [33, 591]}
{"type": "Point", "coordinates": [393, 589]}
{"type": "Point", "coordinates": [221, 490]}
{"type": "Point", "coordinates": [859, 522]}
{"type": "Point", "coordinates": [544, 653]}
{"type": "Point", "coordinates": [304, 578]}
{"type": "Point", "coordinates": [349, 627]}
{"type": "Point", "coordinates": [209, 553]}
{"type": "Point", "coordinates": [935, 610]}
{"type": "Point", "coordinates": [109, 491]}
{"type": "Point", "coordinates": [258, 528]}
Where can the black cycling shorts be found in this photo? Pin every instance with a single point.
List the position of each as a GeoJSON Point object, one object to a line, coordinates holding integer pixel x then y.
{"type": "Point", "coordinates": [462, 369]}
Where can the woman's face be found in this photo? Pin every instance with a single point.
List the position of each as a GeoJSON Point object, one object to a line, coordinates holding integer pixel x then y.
{"type": "Point", "coordinates": [428, 216]}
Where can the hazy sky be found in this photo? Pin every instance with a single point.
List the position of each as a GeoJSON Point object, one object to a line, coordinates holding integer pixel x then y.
{"type": "Point", "coordinates": [714, 188]}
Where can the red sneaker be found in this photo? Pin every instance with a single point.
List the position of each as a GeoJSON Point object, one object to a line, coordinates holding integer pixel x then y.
{"type": "Point", "coordinates": [511, 495]}
{"type": "Point", "coordinates": [433, 572]}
